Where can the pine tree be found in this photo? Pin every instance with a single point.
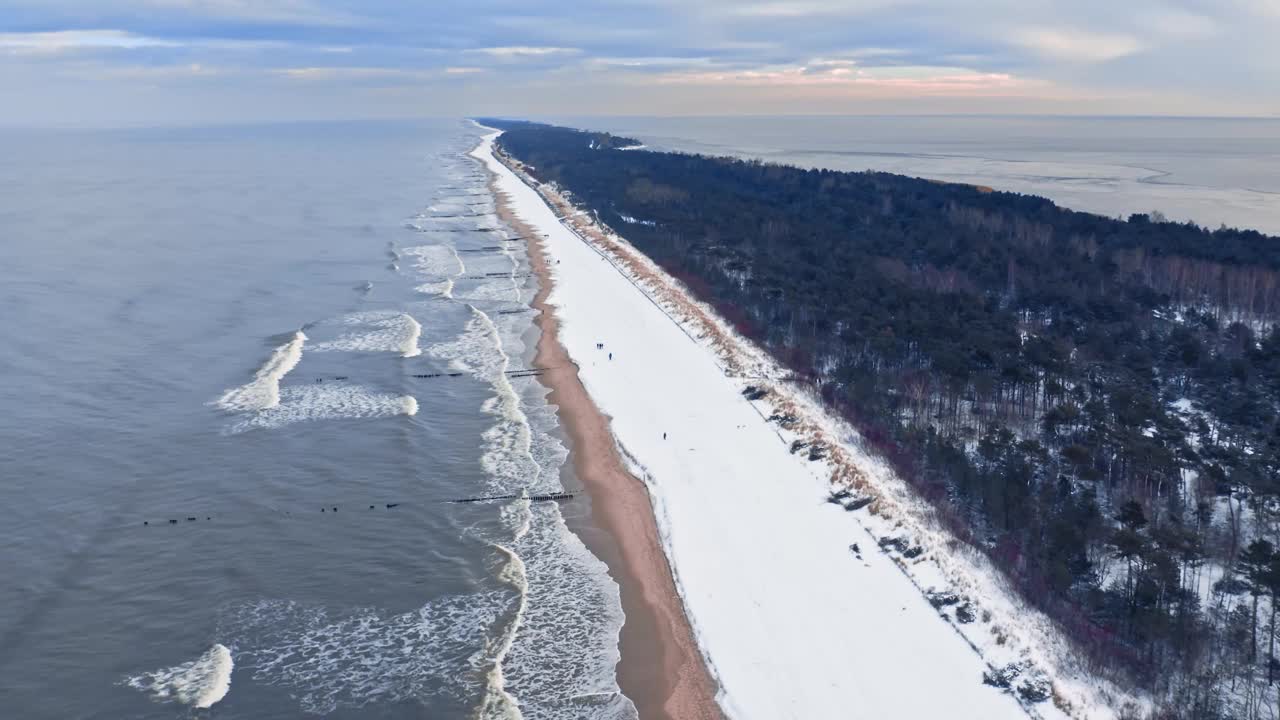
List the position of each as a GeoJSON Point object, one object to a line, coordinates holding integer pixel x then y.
{"type": "Point", "coordinates": [1255, 566]}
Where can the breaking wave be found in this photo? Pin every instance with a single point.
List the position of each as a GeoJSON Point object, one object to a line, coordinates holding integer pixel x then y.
{"type": "Point", "coordinates": [569, 629]}
{"type": "Point", "coordinates": [568, 614]}
{"type": "Point", "coordinates": [328, 401]}
{"type": "Point", "coordinates": [444, 288]}
{"type": "Point", "coordinates": [498, 703]}
{"type": "Point", "coordinates": [349, 659]}
{"type": "Point", "coordinates": [542, 642]}
{"type": "Point", "coordinates": [436, 260]}
{"type": "Point", "coordinates": [264, 390]}
{"type": "Point", "coordinates": [382, 331]}
{"type": "Point", "coordinates": [508, 458]}
{"type": "Point", "coordinates": [199, 683]}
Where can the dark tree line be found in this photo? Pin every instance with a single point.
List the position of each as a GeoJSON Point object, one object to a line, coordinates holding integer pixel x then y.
{"type": "Point", "coordinates": [1093, 402]}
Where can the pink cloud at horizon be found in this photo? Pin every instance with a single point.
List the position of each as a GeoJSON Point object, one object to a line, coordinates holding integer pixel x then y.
{"type": "Point", "coordinates": [929, 80]}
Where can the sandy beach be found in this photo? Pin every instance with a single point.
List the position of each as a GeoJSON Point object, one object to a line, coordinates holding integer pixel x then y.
{"type": "Point", "coordinates": [661, 668]}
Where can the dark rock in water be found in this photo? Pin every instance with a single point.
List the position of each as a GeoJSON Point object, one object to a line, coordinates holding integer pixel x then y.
{"type": "Point", "coordinates": [391, 505]}
{"type": "Point", "coordinates": [370, 507]}
{"type": "Point", "coordinates": [144, 522]}
{"type": "Point", "coordinates": [191, 519]}
{"type": "Point", "coordinates": [173, 522]}
{"type": "Point", "coordinates": [964, 614]}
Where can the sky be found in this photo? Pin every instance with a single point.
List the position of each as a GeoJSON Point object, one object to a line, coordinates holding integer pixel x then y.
{"type": "Point", "coordinates": [158, 62]}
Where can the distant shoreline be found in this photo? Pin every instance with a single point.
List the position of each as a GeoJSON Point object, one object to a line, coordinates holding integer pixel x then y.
{"type": "Point", "coordinates": [661, 668]}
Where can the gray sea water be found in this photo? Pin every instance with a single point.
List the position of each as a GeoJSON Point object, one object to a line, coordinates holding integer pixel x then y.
{"type": "Point", "coordinates": [221, 483]}
{"type": "Point", "coordinates": [1207, 170]}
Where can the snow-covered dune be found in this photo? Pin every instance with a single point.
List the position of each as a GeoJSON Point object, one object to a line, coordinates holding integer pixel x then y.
{"type": "Point", "coordinates": [793, 623]}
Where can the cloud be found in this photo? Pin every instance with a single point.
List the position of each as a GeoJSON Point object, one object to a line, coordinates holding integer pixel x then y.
{"type": "Point", "coordinates": [71, 40]}
{"type": "Point", "coordinates": [524, 51]}
{"type": "Point", "coordinates": [1180, 24]}
{"type": "Point", "coordinates": [1205, 56]}
{"type": "Point", "coordinates": [150, 73]}
{"type": "Point", "coordinates": [831, 63]}
{"type": "Point", "coordinates": [1075, 46]}
{"type": "Point", "coordinates": [648, 62]}
{"type": "Point", "coordinates": [291, 12]}
{"type": "Point", "coordinates": [348, 73]}
{"type": "Point", "coordinates": [805, 9]}
{"type": "Point", "coordinates": [837, 75]}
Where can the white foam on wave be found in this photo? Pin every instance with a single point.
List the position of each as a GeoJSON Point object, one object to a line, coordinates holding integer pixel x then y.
{"type": "Point", "coordinates": [199, 683]}
{"type": "Point", "coordinates": [568, 616]}
{"type": "Point", "coordinates": [327, 401]}
{"type": "Point", "coordinates": [508, 458]}
{"type": "Point", "coordinates": [264, 390]}
{"type": "Point", "coordinates": [410, 346]}
{"type": "Point", "coordinates": [569, 629]}
{"type": "Point", "coordinates": [464, 220]}
{"type": "Point", "coordinates": [444, 288]}
{"type": "Point", "coordinates": [454, 207]}
{"type": "Point", "coordinates": [435, 261]}
{"type": "Point", "coordinates": [382, 331]}
{"type": "Point", "coordinates": [505, 290]}
{"type": "Point", "coordinates": [498, 703]}
{"type": "Point", "coordinates": [352, 658]}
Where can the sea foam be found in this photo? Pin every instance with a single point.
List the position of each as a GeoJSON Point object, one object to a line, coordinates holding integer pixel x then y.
{"type": "Point", "coordinates": [199, 683]}
{"type": "Point", "coordinates": [349, 658]}
{"type": "Point", "coordinates": [264, 390]}
{"type": "Point", "coordinates": [382, 331]}
{"type": "Point", "coordinates": [328, 401]}
{"type": "Point", "coordinates": [433, 261]}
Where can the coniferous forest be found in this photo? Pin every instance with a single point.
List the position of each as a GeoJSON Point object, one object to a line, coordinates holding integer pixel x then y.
{"type": "Point", "coordinates": [1092, 401]}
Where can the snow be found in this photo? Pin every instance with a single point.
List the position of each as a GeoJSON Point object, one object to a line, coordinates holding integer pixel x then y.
{"type": "Point", "coordinates": [792, 622]}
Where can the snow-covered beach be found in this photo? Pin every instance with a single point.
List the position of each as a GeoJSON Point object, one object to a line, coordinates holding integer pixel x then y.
{"type": "Point", "coordinates": [791, 620]}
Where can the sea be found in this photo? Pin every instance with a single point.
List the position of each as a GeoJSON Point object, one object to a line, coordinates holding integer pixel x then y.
{"type": "Point", "coordinates": [246, 372]}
